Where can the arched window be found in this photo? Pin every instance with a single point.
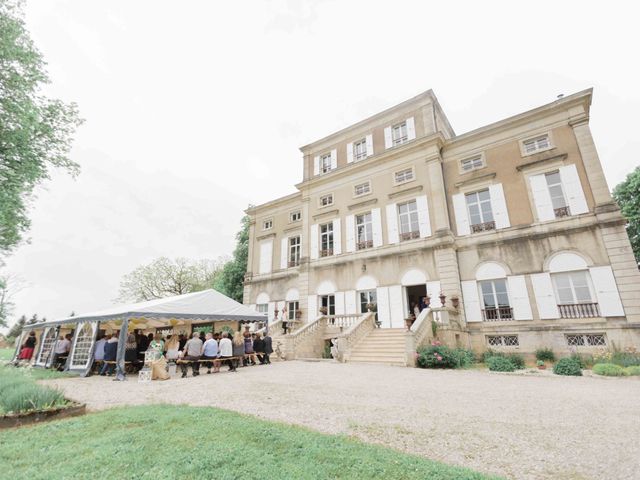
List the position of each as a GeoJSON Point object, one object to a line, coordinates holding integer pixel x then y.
{"type": "Point", "coordinates": [83, 344]}
{"type": "Point", "coordinates": [494, 293]}
{"type": "Point", "coordinates": [262, 303]}
{"type": "Point", "coordinates": [366, 291]}
{"type": "Point", "coordinates": [573, 286]}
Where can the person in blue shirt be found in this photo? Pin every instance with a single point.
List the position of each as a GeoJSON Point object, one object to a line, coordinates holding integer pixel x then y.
{"type": "Point", "coordinates": [110, 355]}
{"type": "Point", "coordinates": [210, 352]}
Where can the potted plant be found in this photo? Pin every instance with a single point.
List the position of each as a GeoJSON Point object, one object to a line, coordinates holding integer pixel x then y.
{"type": "Point", "coordinates": [408, 322]}
{"type": "Point", "coordinates": [323, 310]}
{"type": "Point", "coordinates": [371, 306]}
{"type": "Point", "coordinates": [541, 365]}
{"type": "Point", "coordinates": [298, 314]}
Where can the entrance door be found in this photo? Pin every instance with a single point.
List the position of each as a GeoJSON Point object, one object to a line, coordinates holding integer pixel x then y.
{"type": "Point", "coordinates": [414, 297]}
{"type": "Point", "coordinates": [328, 302]}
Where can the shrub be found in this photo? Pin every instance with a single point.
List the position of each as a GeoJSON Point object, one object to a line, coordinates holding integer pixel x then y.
{"type": "Point", "coordinates": [626, 359]}
{"type": "Point", "coordinates": [499, 363]}
{"type": "Point", "coordinates": [608, 370]}
{"type": "Point", "coordinates": [632, 370]}
{"type": "Point", "coordinates": [441, 356]}
{"type": "Point", "coordinates": [545, 355]}
{"type": "Point", "coordinates": [20, 393]}
{"type": "Point", "coordinates": [568, 366]}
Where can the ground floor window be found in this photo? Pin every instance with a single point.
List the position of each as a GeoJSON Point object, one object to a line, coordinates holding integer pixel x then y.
{"type": "Point", "coordinates": [503, 341]}
{"type": "Point", "coordinates": [366, 297]}
{"type": "Point", "coordinates": [328, 302]}
{"type": "Point", "coordinates": [586, 340]}
{"type": "Point", "coordinates": [262, 308]}
{"type": "Point", "coordinates": [292, 308]}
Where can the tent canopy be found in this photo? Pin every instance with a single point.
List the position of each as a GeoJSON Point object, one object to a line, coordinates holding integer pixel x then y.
{"type": "Point", "coordinates": [203, 306]}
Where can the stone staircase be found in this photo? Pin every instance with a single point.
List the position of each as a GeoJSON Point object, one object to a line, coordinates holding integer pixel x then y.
{"type": "Point", "coordinates": [381, 345]}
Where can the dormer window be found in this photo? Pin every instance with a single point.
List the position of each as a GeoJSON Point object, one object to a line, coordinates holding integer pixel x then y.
{"type": "Point", "coordinates": [326, 200]}
{"type": "Point", "coordinates": [399, 133]}
{"type": "Point", "coordinates": [295, 216]}
{"type": "Point", "coordinates": [537, 144]}
{"type": "Point", "coordinates": [325, 163]}
{"type": "Point", "coordinates": [360, 150]}
{"type": "Point", "coordinates": [473, 163]}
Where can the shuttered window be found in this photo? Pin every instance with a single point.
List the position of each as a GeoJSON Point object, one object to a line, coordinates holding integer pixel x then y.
{"type": "Point", "coordinates": [360, 150]}
{"type": "Point", "coordinates": [325, 163]}
{"type": "Point", "coordinates": [294, 251]}
{"type": "Point", "coordinates": [399, 133]}
{"type": "Point", "coordinates": [364, 231]}
{"type": "Point", "coordinates": [408, 218]}
{"type": "Point", "coordinates": [326, 239]}
{"type": "Point", "coordinates": [480, 211]}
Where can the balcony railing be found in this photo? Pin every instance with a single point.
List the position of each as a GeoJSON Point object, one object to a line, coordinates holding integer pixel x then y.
{"type": "Point", "coordinates": [483, 227]}
{"type": "Point", "coordinates": [579, 310]}
{"type": "Point", "coordinates": [562, 212]}
{"type": "Point", "coordinates": [497, 314]}
{"type": "Point", "coordinates": [364, 245]}
{"type": "Point", "coordinates": [409, 236]}
{"type": "Point", "coordinates": [326, 253]}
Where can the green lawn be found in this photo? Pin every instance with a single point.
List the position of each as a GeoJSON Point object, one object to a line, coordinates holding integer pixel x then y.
{"type": "Point", "coordinates": [6, 353]}
{"type": "Point", "coordinates": [167, 442]}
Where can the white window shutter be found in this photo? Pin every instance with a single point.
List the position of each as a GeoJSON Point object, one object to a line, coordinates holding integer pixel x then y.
{"type": "Point", "coordinates": [392, 223]}
{"type": "Point", "coordinates": [519, 297]}
{"type": "Point", "coordinates": [350, 224]}
{"type": "Point", "coordinates": [284, 250]}
{"type": "Point", "coordinates": [376, 227]}
{"type": "Point", "coordinates": [266, 253]}
{"type": "Point", "coordinates": [271, 311]}
{"type": "Point", "coordinates": [423, 216]}
{"type": "Point", "coordinates": [350, 302]}
{"type": "Point", "coordinates": [388, 142]}
{"type": "Point", "coordinates": [350, 152]}
{"type": "Point", "coordinates": [542, 197]}
{"type": "Point", "coordinates": [573, 190]}
{"type": "Point", "coordinates": [606, 289]}
{"type": "Point", "coordinates": [499, 206]}
{"type": "Point", "coordinates": [369, 141]}
{"type": "Point", "coordinates": [462, 215]}
{"type": "Point", "coordinates": [316, 165]}
{"type": "Point", "coordinates": [337, 237]}
{"type": "Point", "coordinates": [334, 159]}
{"type": "Point", "coordinates": [471, 301]}
{"type": "Point", "coordinates": [545, 296]}
{"type": "Point", "coordinates": [396, 309]}
{"type": "Point", "coordinates": [312, 306]}
{"type": "Point", "coordinates": [313, 243]}
{"type": "Point", "coordinates": [339, 299]}
{"type": "Point", "coordinates": [433, 290]}
{"type": "Point", "coordinates": [382, 302]}
{"type": "Point", "coordinates": [411, 129]}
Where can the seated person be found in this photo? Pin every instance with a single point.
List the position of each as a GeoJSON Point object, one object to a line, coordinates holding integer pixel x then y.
{"type": "Point", "coordinates": [210, 352]}
{"type": "Point", "coordinates": [110, 355]}
{"type": "Point", "coordinates": [192, 350]}
{"type": "Point", "coordinates": [61, 351]}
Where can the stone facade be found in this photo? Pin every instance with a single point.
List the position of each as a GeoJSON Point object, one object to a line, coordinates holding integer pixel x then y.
{"type": "Point", "coordinates": [514, 220]}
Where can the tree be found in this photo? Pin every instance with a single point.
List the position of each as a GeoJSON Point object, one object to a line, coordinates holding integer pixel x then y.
{"type": "Point", "coordinates": [14, 331]}
{"type": "Point", "coordinates": [165, 277]}
{"type": "Point", "coordinates": [9, 286]}
{"type": "Point", "coordinates": [33, 319]}
{"type": "Point", "coordinates": [35, 131]}
{"type": "Point", "coordinates": [627, 194]}
{"type": "Point", "coordinates": [231, 280]}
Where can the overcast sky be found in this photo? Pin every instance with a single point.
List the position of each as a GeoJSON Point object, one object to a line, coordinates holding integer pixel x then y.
{"type": "Point", "coordinates": [196, 109]}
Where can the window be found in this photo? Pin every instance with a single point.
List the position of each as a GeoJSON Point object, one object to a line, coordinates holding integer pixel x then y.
{"type": "Point", "coordinates": [537, 144]}
{"type": "Point", "coordinates": [262, 308]}
{"type": "Point", "coordinates": [81, 354]}
{"type": "Point", "coordinates": [326, 239]}
{"type": "Point", "coordinates": [328, 302]}
{"type": "Point", "coordinates": [294, 251]}
{"type": "Point", "coordinates": [558, 200]}
{"type": "Point", "coordinates": [586, 340]}
{"type": "Point", "coordinates": [480, 211]}
{"type": "Point", "coordinates": [362, 189]}
{"type": "Point", "coordinates": [292, 308]}
{"type": "Point", "coordinates": [503, 341]}
{"type": "Point", "coordinates": [574, 295]}
{"type": "Point", "coordinates": [473, 163]}
{"type": "Point", "coordinates": [364, 231]}
{"type": "Point", "coordinates": [399, 133]}
{"type": "Point", "coordinates": [409, 225]}
{"type": "Point", "coordinates": [403, 176]}
{"type": "Point", "coordinates": [360, 150]}
{"type": "Point", "coordinates": [326, 200]}
{"type": "Point", "coordinates": [267, 224]}
{"type": "Point", "coordinates": [325, 163]}
{"type": "Point", "coordinates": [295, 216]}
{"type": "Point", "coordinates": [366, 297]}
{"type": "Point", "coordinates": [495, 300]}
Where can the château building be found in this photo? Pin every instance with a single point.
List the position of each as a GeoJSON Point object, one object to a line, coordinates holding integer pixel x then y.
{"type": "Point", "coordinates": [513, 223]}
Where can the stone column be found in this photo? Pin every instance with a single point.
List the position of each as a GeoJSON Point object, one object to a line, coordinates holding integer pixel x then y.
{"type": "Point", "coordinates": [438, 201]}
{"type": "Point", "coordinates": [591, 161]}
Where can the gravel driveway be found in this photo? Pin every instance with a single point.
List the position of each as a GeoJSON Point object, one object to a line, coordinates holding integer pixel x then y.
{"type": "Point", "coordinates": [526, 426]}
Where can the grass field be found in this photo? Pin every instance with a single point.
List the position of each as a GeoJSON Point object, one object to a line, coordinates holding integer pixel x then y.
{"type": "Point", "coordinates": [6, 353]}
{"type": "Point", "coordinates": [166, 442]}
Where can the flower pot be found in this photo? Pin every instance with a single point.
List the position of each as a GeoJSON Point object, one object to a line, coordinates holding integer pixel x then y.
{"type": "Point", "coordinates": [542, 367]}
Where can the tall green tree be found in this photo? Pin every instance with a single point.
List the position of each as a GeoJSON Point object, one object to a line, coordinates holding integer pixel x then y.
{"type": "Point", "coordinates": [627, 194]}
{"type": "Point", "coordinates": [15, 329]}
{"type": "Point", "coordinates": [165, 277]}
{"type": "Point", "coordinates": [35, 131]}
{"type": "Point", "coordinates": [231, 280]}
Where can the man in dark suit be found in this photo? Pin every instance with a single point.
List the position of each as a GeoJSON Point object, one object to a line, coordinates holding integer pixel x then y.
{"type": "Point", "coordinates": [268, 348]}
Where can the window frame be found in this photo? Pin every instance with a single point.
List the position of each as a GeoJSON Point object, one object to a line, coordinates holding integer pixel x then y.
{"type": "Point", "coordinates": [293, 214]}
{"type": "Point", "coordinates": [326, 195]}
{"type": "Point", "coordinates": [265, 222]}
{"type": "Point", "coordinates": [367, 229]}
{"type": "Point", "coordinates": [484, 225]}
{"type": "Point", "coordinates": [523, 148]}
{"type": "Point", "coordinates": [479, 156]}
{"type": "Point", "coordinates": [329, 234]}
{"type": "Point", "coordinates": [259, 308]}
{"type": "Point", "coordinates": [292, 307]}
{"type": "Point", "coordinates": [362, 155]}
{"type": "Point", "coordinates": [355, 189]}
{"type": "Point", "coordinates": [395, 142]}
{"type": "Point", "coordinates": [585, 339]}
{"type": "Point", "coordinates": [369, 293]}
{"type": "Point", "coordinates": [589, 283]}
{"type": "Point", "coordinates": [564, 210]}
{"type": "Point", "coordinates": [321, 164]}
{"type": "Point", "coordinates": [294, 251]}
{"type": "Point", "coordinates": [503, 343]}
{"type": "Point", "coordinates": [405, 180]}
{"type": "Point", "coordinates": [412, 233]}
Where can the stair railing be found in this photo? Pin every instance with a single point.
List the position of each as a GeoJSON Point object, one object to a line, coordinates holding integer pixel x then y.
{"type": "Point", "coordinates": [348, 339]}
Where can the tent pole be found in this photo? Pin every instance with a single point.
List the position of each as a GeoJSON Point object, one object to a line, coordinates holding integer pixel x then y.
{"type": "Point", "coordinates": [122, 340]}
